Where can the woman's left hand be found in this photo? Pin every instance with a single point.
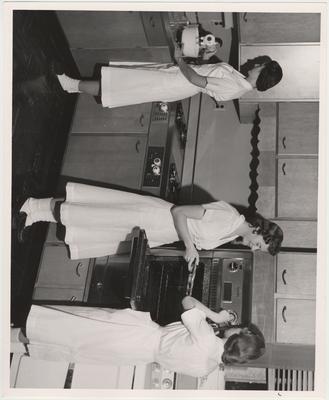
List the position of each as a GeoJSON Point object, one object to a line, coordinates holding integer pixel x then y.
{"type": "Point", "coordinates": [223, 316]}
{"type": "Point", "coordinates": [191, 256]}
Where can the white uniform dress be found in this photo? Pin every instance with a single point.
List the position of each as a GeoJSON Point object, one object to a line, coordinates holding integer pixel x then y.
{"type": "Point", "coordinates": [98, 219]}
{"type": "Point", "coordinates": [123, 337]}
{"type": "Point", "coordinates": [127, 85]}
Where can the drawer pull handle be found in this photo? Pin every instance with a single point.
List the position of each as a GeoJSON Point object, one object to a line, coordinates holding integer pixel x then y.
{"type": "Point", "coordinates": [137, 145]}
{"type": "Point", "coordinates": [245, 17]}
{"type": "Point", "coordinates": [283, 313]}
{"type": "Point", "coordinates": [284, 168]}
{"type": "Point", "coordinates": [283, 276]}
{"type": "Point", "coordinates": [141, 120]}
{"type": "Point", "coordinates": [284, 142]}
{"type": "Point", "coordinates": [73, 298]}
{"type": "Point", "coordinates": [77, 269]}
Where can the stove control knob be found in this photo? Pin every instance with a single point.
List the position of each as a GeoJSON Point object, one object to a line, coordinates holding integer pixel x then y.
{"type": "Point", "coordinates": [156, 367]}
{"type": "Point", "coordinates": [167, 383]}
{"type": "Point", "coordinates": [156, 170]}
{"type": "Point", "coordinates": [156, 383]}
{"type": "Point", "coordinates": [233, 266]}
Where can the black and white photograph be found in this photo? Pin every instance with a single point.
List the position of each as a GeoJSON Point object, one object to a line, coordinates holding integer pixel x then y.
{"type": "Point", "coordinates": [164, 204]}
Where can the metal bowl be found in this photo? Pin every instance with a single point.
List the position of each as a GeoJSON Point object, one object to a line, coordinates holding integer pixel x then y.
{"type": "Point", "coordinates": [190, 41]}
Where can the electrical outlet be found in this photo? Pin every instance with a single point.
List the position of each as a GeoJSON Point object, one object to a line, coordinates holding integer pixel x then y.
{"type": "Point", "coordinates": [220, 107]}
{"type": "Point", "coordinates": [216, 22]}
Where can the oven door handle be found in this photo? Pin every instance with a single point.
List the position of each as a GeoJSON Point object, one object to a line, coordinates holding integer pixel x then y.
{"type": "Point", "coordinates": [136, 273]}
{"type": "Point", "coordinates": [190, 280]}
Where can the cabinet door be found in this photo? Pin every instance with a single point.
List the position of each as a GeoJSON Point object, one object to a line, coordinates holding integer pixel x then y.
{"type": "Point", "coordinates": [297, 188]}
{"type": "Point", "coordinates": [60, 278]}
{"type": "Point", "coordinates": [102, 29]}
{"type": "Point", "coordinates": [298, 128]}
{"type": "Point", "coordinates": [154, 28]}
{"type": "Point", "coordinates": [91, 117]}
{"type": "Point", "coordinates": [86, 59]}
{"type": "Point", "coordinates": [296, 274]}
{"type": "Point", "coordinates": [295, 321]}
{"type": "Point", "coordinates": [118, 160]}
{"type": "Point", "coordinates": [301, 234]}
{"type": "Point", "coordinates": [279, 27]}
{"type": "Point", "coordinates": [300, 79]}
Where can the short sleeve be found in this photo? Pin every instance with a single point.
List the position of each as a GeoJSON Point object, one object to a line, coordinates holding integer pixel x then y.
{"type": "Point", "coordinates": [213, 88]}
{"type": "Point", "coordinates": [195, 322]}
{"type": "Point", "coordinates": [225, 83]}
{"type": "Point", "coordinates": [216, 227]}
{"type": "Point", "coordinates": [216, 209]}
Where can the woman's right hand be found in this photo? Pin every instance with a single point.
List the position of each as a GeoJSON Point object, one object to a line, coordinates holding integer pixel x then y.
{"type": "Point", "coordinates": [191, 255]}
{"type": "Point", "coordinates": [178, 54]}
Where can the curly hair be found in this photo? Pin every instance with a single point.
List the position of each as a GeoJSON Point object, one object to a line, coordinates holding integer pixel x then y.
{"type": "Point", "coordinates": [270, 75]}
{"type": "Point", "coordinates": [246, 345]}
{"type": "Point", "coordinates": [270, 231]}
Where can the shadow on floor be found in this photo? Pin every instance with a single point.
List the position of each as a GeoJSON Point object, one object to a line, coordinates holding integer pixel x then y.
{"type": "Point", "coordinates": [41, 119]}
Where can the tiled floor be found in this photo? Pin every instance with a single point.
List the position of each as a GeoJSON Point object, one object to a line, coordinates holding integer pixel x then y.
{"type": "Point", "coordinates": [42, 114]}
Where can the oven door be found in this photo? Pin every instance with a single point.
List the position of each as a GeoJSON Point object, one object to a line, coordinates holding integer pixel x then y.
{"type": "Point", "coordinates": [167, 284]}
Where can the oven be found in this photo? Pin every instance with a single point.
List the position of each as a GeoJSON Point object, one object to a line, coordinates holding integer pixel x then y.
{"type": "Point", "coordinates": [155, 280]}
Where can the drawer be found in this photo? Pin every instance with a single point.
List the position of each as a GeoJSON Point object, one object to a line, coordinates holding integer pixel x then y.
{"type": "Point", "coordinates": [296, 274]}
{"type": "Point", "coordinates": [295, 319]}
{"type": "Point", "coordinates": [91, 118]}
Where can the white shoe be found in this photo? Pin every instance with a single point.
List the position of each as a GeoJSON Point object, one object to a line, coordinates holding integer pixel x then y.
{"type": "Point", "coordinates": [27, 209]}
{"type": "Point", "coordinates": [27, 206]}
{"type": "Point", "coordinates": [68, 84]}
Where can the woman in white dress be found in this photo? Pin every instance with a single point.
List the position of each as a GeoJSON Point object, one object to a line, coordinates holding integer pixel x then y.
{"type": "Point", "coordinates": [126, 85]}
{"type": "Point", "coordinates": [97, 219]}
{"type": "Point", "coordinates": [127, 337]}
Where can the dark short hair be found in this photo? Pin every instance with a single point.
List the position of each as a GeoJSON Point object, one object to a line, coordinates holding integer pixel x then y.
{"type": "Point", "coordinates": [270, 75]}
{"type": "Point", "coordinates": [270, 231]}
{"type": "Point", "coordinates": [241, 347]}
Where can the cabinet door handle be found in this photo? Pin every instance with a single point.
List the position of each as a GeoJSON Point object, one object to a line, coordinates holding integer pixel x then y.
{"type": "Point", "coordinates": [283, 276]}
{"type": "Point", "coordinates": [283, 168]}
{"type": "Point", "coordinates": [284, 142]}
{"type": "Point", "coordinates": [137, 145]}
{"type": "Point", "coordinates": [283, 313]}
{"type": "Point", "coordinates": [141, 120]}
{"type": "Point", "coordinates": [73, 298]}
{"type": "Point", "coordinates": [77, 268]}
{"type": "Point", "coordinates": [245, 17]}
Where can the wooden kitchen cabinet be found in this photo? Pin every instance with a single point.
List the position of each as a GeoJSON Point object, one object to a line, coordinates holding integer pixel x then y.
{"type": "Point", "coordinates": [279, 27]}
{"type": "Point", "coordinates": [295, 298]}
{"type": "Point", "coordinates": [154, 28]}
{"type": "Point", "coordinates": [298, 233]}
{"type": "Point", "coordinates": [297, 187]}
{"type": "Point", "coordinates": [118, 160]}
{"type": "Point", "coordinates": [296, 274]}
{"type": "Point", "coordinates": [92, 118]}
{"type": "Point", "coordinates": [295, 319]}
{"type": "Point", "coordinates": [60, 278]}
{"type": "Point", "coordinates": [103, 29]}
{"type": "Point", "coordinates": [298, 128]}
